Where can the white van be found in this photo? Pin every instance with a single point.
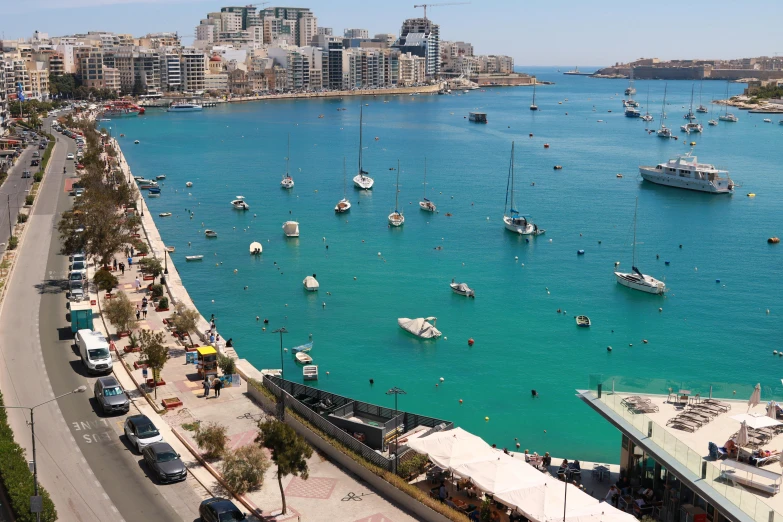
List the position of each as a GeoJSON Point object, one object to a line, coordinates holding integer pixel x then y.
{"type": "Point", "coordinates": [94, 351]}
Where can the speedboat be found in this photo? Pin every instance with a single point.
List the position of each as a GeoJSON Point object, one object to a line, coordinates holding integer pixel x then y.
{"type": "Point", "coordinates": [462, 289]}
{"type": "Point", "coordinates": [420, 327]}
{"type": "Point", "coordinates": [165, 214]}
{"type": "Point", "coordinates": [311, 283]}
{"type": "Point", "coordinates": [685, 171]}
{"type": "Point", "coordinates": [194, 258]}
{"type": "Point", "coordinates": [630, 103]}
{"type": "Point", "coordinates": [767, 120]}
{"type": "Point", "coordinates": [583, 321]}
{"type": "Point", "coordinates": [160, 176]}
{"type": "Point", "coordinates": [210, 233]}
{"type": "Point", "coordinates": [291, 228]}
{"type": "Point", "coordinates": [240, 204]}
{"type": "Point", "coordinates": [303, 358]}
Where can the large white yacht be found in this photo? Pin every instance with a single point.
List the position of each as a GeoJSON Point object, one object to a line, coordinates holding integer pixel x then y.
{"type": "Point", "coordinates": [686, 172]}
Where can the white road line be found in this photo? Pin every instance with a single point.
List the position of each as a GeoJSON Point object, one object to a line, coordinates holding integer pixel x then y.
{"type": "Point", "coordinates": [105, 496]}
{"type": "Point", "coordinates": [114, 509]}
{"type": "Point", "coordinates": [84, 461]}
{"type": "Point", "coordinates": [89, 470]}
{"type": "Point", "coordinates": [97, 484]}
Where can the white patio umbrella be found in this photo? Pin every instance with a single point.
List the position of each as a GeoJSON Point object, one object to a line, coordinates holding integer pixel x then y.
{"type": "Point", "coordinates": [742, 437]}
{"type": "Point", "coordinates": [772, 410]}
{"type": "Point", "coordinates": [449, 449]}
{"type": "Point", "coordinates": [756, 422]}
{"type": "Point", "coordinates": [755, 397]}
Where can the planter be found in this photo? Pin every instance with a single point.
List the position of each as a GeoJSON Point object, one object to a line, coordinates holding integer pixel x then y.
{"type": "Point", "coordinates": [128, 349]}
{"type": "Point", "coordinates": [108, 296]}
{"type": "Point", "coordinates": [151, 383]}
{"type": "Point", "coordinates": [149, 278]}
{"type": "Point", "coordinates": [161, 309]}
{"type": "Point", "coordinates": [141, 255]}
{"type": "Point", "coordinates": [136, 235]}
{"type": "Point", "coordinates": [171, 403]}
{"type": "Point", "coordinates": [139, 365]}
{"type": "Point", "coordinates": [190, 349]}
{"type": "Point", "coordinates": [123, 334]}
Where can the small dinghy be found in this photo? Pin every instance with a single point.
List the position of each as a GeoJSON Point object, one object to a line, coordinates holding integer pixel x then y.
{"type": "Point", "coordinates": [165, 214]}
{"type": "Point", "coordinates": [303, 358]}
{"type": "Point", "coordinates": [583, 321]}
{"type": "Point", "coordinates": [161, 176]}
{"type": "Point", "coordinates": [462, 289]}
{"type": "Point", "coordinates": [210, 233]}
{"type": "Point", "coordinates": [256, 248]}
{"type": "Point", "coordinates": [189, 184]}
{"type": "Point", "coordinates": [303, 348]}
{"type": "Point", "coordinates": [420, 327]}
{"type": "Point", "coordinates": [291, 228]}
{"type": "Point", "coordinates": [311, 283]}
{"type": "Point", "coordinates": [170, 249]}
{"type": "Point", "coordinates": [310, 372]}
{"type": "Point", "coordinates": [194, 258]}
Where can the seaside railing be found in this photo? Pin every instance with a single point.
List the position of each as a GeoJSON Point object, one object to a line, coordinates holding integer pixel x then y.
{"type": "Point", "coordinates": [691, 459]}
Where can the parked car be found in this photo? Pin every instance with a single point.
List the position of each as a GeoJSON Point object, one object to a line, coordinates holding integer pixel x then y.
{"type": "Point", "coordinates": [36, 154]}
{"type": "Point", "coordinates": [141, 432]}
{"type": "Point", "coordinates": [164, 462]}
{"type": "Point", "coordinates": [79, 266]}
{"type": "Point", "coordinates": [219, 510]}
{"type": "Point", "coordinates": [76, 275]}
{"type": "Point", "coordinates": [78, 256]}
{"type": "Point", "coordinates": [110, 396]}
{"type": "Point", "coordinates": [25, 174]}
{"type": "Point", "coordinates": [69, 156]}
{"type": "Point", "coordinates": [76, 291]}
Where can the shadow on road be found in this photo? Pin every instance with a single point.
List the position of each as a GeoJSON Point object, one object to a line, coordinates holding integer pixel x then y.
{"type": "Point", "coordinates": [52, 286]}
{"type": "Point", "coordinates": [65, 333]}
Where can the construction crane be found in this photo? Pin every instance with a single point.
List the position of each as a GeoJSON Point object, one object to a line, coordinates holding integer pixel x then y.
{"type": "Point", "coordinates": [262, 4]}
{"type": "Point", "coordinates": [425, 6]}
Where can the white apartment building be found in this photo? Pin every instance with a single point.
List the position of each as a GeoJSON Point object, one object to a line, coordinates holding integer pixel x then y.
{"type": "Point", "coordinates": [216, 82]}
{"type": "Point", "coordinates": [307, 28]}
{"type": "Point", "coordinates": [413, 69]}
{"type": "Point", "coordinates": [111, 79]}
{"type": "Point", "coordinates": [207, 30]}
{"type": "Point", "coordinates": [356, 33]}
{"type": "Point", "coordinates": [170, 71]}
{"type": "Point", "coordinates": [194, 64]}
{"type": "Point", "coordinates": [4, 116]}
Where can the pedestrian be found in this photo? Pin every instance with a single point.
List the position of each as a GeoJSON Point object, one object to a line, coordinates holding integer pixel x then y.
{"type": "Point", "coordinates": [206, 387]}
{"type": "Point", "coordinates": [144, 311]}
{"type": "Point", "coordinates": [230, 342]}
{"type": "Point", "coordinates": [211, 338]}
{"type": "Point", "coordinates": [144, 302]}
{"type": "Point", "coordinates": [138, 312]}
{"type": "Point", "coordinates": [130, 261]}
{"type": "Point", "coordinates": [212, 323]}
{"type": "Point", "coordinates": [137, 284]}
{"type": "Point", "coordinates": [442, 494]}
{"type": "Point", "coordinates": [217, 337]}
{"type": "Point", "coordinates": [122, 268]}
{"type": "Point", "coordinates": [131, 251]}
{"type": "Point", "coordinates": [115, 263]}
{"type": "Point", "coordinates": [218, 386]}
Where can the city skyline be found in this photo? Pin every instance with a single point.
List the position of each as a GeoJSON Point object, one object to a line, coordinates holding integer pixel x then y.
{"type": "Point", "coordinates": [534, 35]}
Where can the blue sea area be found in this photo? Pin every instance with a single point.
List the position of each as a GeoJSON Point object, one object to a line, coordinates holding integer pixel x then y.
{"type": "Point", "coordinates": [717, 325]}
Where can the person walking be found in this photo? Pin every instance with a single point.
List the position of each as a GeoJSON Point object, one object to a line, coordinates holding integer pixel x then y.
{"type": "Point", "coordinates": [138, 312]}
{"type": "Point", "coordinates": [144, 311]}
{"type": "Point", "coordinates": [218, 386]}
{"type": "Point", "coordinates": [206, 387]}
{"type": "Point", "coordinates": [115, 263]}
{"type": "Point", "coordinates": [137, 284]}
{"type": "Point", "coordinates": [122, 268]}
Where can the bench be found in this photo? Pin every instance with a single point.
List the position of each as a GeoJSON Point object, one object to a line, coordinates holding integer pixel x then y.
{"type": "Point", "coordinates": [750, 476]}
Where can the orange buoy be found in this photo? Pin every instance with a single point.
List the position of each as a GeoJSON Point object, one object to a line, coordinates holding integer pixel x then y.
{"type": "Point", "coordinates": [773, 240]}
{"type": "Point", "coordinates": [546, 145]}
{"type": "Point", "coordinates": [471, 341]}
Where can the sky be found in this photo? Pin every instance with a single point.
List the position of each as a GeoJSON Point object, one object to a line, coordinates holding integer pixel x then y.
{"type": "Point", "coordinates": [553, 32]}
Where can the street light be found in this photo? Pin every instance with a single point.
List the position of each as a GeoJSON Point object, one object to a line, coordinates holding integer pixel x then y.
{"type": "Point", "coordinates": [281, 331]}
{"type": "Point", "coordinates": [396, 391]}
{"type": "Point", "coordinates": [80, 389]}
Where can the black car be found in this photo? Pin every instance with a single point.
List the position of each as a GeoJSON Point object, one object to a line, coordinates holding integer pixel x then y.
{"type": "Point", "coordinates": [35, 163]}
{"type": "Point", "coordinates": [162, 460]}
{"type": "Point", "coordinates": [219, 510]}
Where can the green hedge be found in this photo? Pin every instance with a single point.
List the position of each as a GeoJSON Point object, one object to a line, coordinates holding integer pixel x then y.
{"type": "Point", "coordinates": [13, 242]}
{"type": "Point", "coordinates": [17, 477]}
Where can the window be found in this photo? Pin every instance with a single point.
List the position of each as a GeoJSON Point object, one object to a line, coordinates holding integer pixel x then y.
{"type": "Point", "coordinates": [98, 353]}
{"type": "Point", "coordinates": [146, 431]}
{"type": "Point", "coordinates": [113, 391]}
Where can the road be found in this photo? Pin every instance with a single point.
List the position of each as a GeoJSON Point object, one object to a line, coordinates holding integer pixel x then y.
{"type": "Point", "coordinates": [14, 190]}
{"type": "Point", "coordinates": [83, 462]}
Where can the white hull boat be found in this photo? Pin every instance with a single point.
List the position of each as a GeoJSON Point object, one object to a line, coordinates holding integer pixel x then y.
{"type": "Point", "coordinates": [664, 132]}
{"type": "Point", "coordinates": [189, 184]}
{"type": "Point", "coordinates": [194, 258]}
{"type": "Point", "coordinates": [291, 228]}
{"type": "Point", "coordinates": [728, 117]}
{"type": "Point", "coordinates": [343, 205]}
{"type": "Point", "coordinates": [686, 172]}
{"type": "Point", "coordinates": [361, 180]}
{"type": "Point", "coordinates": [512, 220]}
{"type": "Point", "coordinates": [425, 204]}
{"type": "Point", "coordinates": [240, 203]}
{"type": "Point", "coordinates": [636, 279]}
{"type": "Point", "coordinates": [303, 358]}
{"type": "Point", "coordinates": [210, 233]}
{"type": "Point", "coordinates": [396, 219]}
{"type": "Point", "coordinates": [287, 182]}
{"type": "Point", "coordinates": [311, 283]}
{"type": "Point", "coordinates": [691, 127]}
{"type": "Point", "coordinates": [165, 214]}
{"type": "Point", "coordinates": [256, 248]}
{"type": "Point", "coordinates": [420, 327]}
{"type": "Point", "coordinates": [462, 289]}
{"type": "Point", "coordinates": [310, 372]}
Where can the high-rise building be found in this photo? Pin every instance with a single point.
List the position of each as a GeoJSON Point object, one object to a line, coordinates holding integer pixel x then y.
{"type": "Point", "coordinates": [3, 101]}
{"type": "Point", "coordinates": [356, 33]}
{"type": "Point", "coordinates": [292, 29]}
{"type": "Point", "coordinates": [193, 69]}
{"type": "Point", "coordinates": [307, 28]}
{"type": "Point", "coordinates": [246, 16]}
{"type": "Point", "coordinates": [412, 68]}
{"type": "Point", "coordinates": [90, 66]}
{"type": "Point", "coordinates": [388, 38]}
{"type": "Point", "coordinates": [326, 31]}
{"type": "Point", "coordinates": [111, 79]}
{"type": "Point", "coordinates": [207, 30]}
{"type": "Point", "coordinates": [170, 71]}
{"type": "Point", "coordinates": [421, 37]}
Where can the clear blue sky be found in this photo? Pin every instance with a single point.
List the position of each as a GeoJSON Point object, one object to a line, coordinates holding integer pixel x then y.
{"type": "Point", "coordinates": [552, 32]}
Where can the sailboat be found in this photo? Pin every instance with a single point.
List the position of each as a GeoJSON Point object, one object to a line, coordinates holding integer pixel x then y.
{"type": "Point", "coordinates": [511, 218]}
{"type": "Point", "coordinates": [647, 116]}
{"type": "Point", "coordinates": [287, 181]}
{"type": "Point", "coordinates": [664, 131]}
{"type": "Point", "coordinates": [533, 106]}
{"type": "Point", "coordinates": [636, 279]}
{"type": "Point", "coordinates": [426, 204]}
{"type": "Point", "coordinates": [713, 122]}
{"type": "Point", "coordinates": [343, 205]}
{"type": "Point", "coordinates": [360, 180]}
{"type": "Point", "coordinates": [691, 126]}
{"type": "Point", "coordinates": [727, 116]}
{"type": "Point", "coordinates": [701, 108]}
{"type": "Point", "coordinates": [396, 219]}
{"type": "Point", "coordinates": [630, 89]}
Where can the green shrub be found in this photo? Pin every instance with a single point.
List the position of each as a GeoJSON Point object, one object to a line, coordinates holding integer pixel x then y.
{"type": "Point", "coordinates": [13, 242]}
{"type": "Point", "coordinates": [38, 176]}
{"type": "Point", "coordinates": [213, 439]}
{"type": "Point", "coordinates": [28, 200]}
{"type": "Point", "coordinates": [163, 304]}
{"type": "Point", "coordinates": [243, 469]}
{"type": "Point", "coordinates": [140, 247]}
{"type": "Point", "coordinates": [22, 218]}
{"type": "Point", "coordinates": [17, 478]}
{"type": "Point", "coordinates": [412, 465]}
{"type": "Point", "coordinates": [157, 291]}
{"type": "Point", "coordinates": [227, 364]}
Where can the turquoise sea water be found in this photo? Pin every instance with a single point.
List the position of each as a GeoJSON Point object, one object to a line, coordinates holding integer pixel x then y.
{"type": "Point", "coordinates": [370, 275]}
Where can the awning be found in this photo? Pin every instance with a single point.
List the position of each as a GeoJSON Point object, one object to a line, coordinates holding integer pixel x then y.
{"type": "Point", "coordinates": [449, 449]}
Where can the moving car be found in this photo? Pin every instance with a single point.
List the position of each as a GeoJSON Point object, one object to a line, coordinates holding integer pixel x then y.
{"type": "Point", "coordinates": [26, 174]}
{"type": "Point", "coordinates": [219, 510]}
{"type": "Point", "coordinates": [110, 396]}
{"type": "Point", "coordinates": [162, 460]}
{"type": "Point", "coordinates": [35, 162]}
{"type": "Point", "coordinates": [141, 432]}
{"type": "Point", "coordinates": [69, 156]}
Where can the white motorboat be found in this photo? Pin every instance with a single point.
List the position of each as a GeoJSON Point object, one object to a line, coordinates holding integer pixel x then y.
{"type": "Point", "coordinates": [420, 327]}
{"type": "Point", "coordinates": [691, 127]}
{"type": "Point", "coordinates": [165, 214]}
{"type": "Point", "coordinates": [425, 204]}
{"type": "Point", "coordinates": [630, 103]}
{"type": "Point", "coordinates": [311, 283]}
{"type": "Point", "coordinates": [240, 204]}
{"type": "Point", "coordinates": [287, 182]}
{"type": "Point", "coordinates": [343, 205]}
{"type": "Point", "coordinates": [310, 372]}
{"type": "Point", "coordinates": [210, 233]}
{"type": "Point", "coordinates": [303, 358]}
{"type": "Point", "coordinates": [160, 176]}
{"type": "Point", "coordinates": [184, 107]}
{"type": "Point", "coordinates": [361, 180]}
{"type": "Point", "coordinates": [767, 120]}
{"type": "Point", "coordinates": [713, 123]}
{"type": "Point", "coordinates": [685, 171]}
{"type": "Point", "coordinates": [630, 89]}
{"type": "Point", "coordinates": [462, 289]}
{"type": "Point", "coordinates": [291, 228]}
{"type": "Point", "coordinates": [189, 184]}
{"type": "Point", "coordinates": [512, 220]}
{"type": "Point", "coordinates": [636, 279]}
{"type": "Point", "coordinates": [194, 258]}
{"type": "Point", "coordinates": [256, 248]}
{"type": "Point", "coordinates": [396, 219]}
{"type": "Point", "coordinates": [533, 106]}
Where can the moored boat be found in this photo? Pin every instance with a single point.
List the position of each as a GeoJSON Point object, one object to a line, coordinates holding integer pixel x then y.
{"type": "Point", "coordinates": [396, 219]}
{"type": "Point", "coordinates": [184, 107]}
{"type": "Point", "coordinates": [160, 176]}
{"type": "Point", "coordinates": [462, 289]}
{"type": "Point", "coordinates": [361, 180]}
{"type": "Point", "coordinates": [344, 205]}
{"type": "Point", "coordinates": [636, 279]}
{"type": "Point", "coordinates": [685, 171]}
{"type": "Point", "coordinates": [425, 204]}
{"type": "Point", "coordinates": [512, 219]}
{"type": "Point", "coordinates": [291, 228]}
{"type": "Point", "coordinates": [194, 258]}
{"type": "Point", "coordinates": [165, 214]}
{"type": "Point", "coordinates": [287, 182]}
{"type": "Point", "coordinates": [583, 321]}
{"type": "Point", "coordinates": [303, 358]}
{"type": "Point", "coordinates": [311, 283]}
{"type": "Point", "coordinates": [210, 233]}
{"type": "Point", "coordinates": [256, 248]}
{"type": "Point", "coordinates": [240, 204]}
{"type": "Point", "coordinates": [420, 327]}
{"type": "Point", "coordinates": [310, 372]}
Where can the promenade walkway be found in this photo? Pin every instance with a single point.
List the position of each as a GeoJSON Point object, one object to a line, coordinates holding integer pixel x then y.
{"type": "Point", "coordinates": [322, 497]}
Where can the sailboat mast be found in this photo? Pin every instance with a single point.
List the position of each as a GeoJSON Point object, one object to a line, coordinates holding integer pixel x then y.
{"type": "Point", "coordinates": [534, 97]}
{"type": "Point", "coordinates": [397, 191]}
{"type": "Point", "coordinates": [425, 178]}
{"type": "Point", "coordinates": [512, 177]}
{"type": "Point", "coordinates": [635, 210]}
{"type": "Point", "coordinates": [361, 118]}
{"type": "Point", "coordinates": [663, 106]}
{"type": "Point", "coordinates": [344, 177]}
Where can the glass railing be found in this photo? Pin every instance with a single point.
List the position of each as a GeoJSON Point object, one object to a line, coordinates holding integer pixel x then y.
{"type": "Point", "coordinates": [682, 453]}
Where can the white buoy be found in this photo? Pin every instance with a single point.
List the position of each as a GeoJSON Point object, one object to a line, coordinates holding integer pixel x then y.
{"type": "Point", "coordinates": [213, 300]}
{"type": "Point", "coordinates": [235, 270]}
{"type": "Point", "coordinates": [379, 254]}
{"type": "Point", "coordinates": [442, 379]}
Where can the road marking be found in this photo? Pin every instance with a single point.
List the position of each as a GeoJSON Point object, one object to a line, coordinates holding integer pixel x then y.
{"type": "Point", "coordinates": [84, 461]}
{"type": "Point", "coordinates": [89, 470]}
{"type": "Point", "coordinates": [105, 496]}
{"type": "Point", "coordinates": [97, 484]}
{"type": "Point", "coordinates": [114, 509]}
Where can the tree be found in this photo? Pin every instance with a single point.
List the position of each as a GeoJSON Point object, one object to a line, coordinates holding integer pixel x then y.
{"type": "Point", "coordinates": [243, 469]}
{"type": "Point", "coordinates": [154, 353]}
{"type": "Point", "coordinates": [289, 451]}
{"type": "Point", "coordinates": [120, 312]}
{"type": "Point", "coordinates": [105, 280]}
{"type": "Point", "coordinates": [185, 320]}
{"type": "Point", "coordinates": [213, 439]}
{"type": "Point", "coordinates": [227, 364]}
{"type": "Point", "coordinates": [151, 266]}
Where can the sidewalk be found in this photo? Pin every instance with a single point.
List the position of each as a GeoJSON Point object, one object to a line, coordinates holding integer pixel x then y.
{"type": "Point", "coordinates": [322, 497]}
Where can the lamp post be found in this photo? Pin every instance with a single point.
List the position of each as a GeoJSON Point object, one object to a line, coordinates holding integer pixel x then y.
{"type": "Point", "coordinates": [165, 261]}
{"type": "Point", "coordinates": [396, 391]}
{"type": "Point", "coordinates": [281, 331]}
{"type": "Point", "coordinates": [80, 389]}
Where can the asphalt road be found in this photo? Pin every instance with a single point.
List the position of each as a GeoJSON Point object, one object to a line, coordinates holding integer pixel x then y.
{"type": "Point", "coordinates": [14, 190]}
{"type": "Point", "coordinates": [83, 461]}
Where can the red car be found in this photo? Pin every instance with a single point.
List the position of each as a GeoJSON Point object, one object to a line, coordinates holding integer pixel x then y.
{"type": "Point", "coordinates": [79, 166]}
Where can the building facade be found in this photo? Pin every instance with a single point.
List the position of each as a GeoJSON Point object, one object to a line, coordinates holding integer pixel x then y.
{"type": "Point", "coordinates": [421, 37]}
{"type": "Point", "coordinates": [193, 70]}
